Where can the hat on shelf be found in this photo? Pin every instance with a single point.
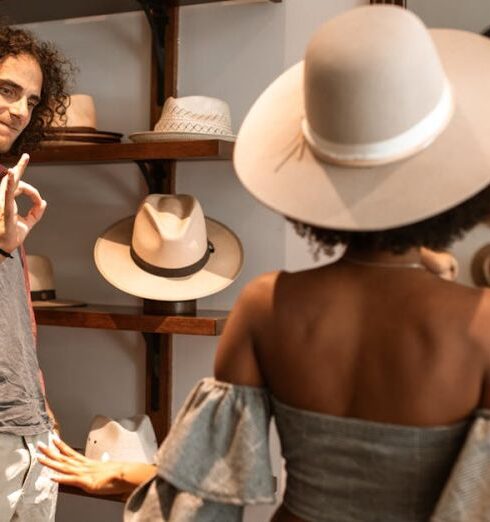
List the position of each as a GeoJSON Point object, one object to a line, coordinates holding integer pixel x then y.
{"type": "Point", "coordinates": [79, 127]}
{"type": "Point", "coordinates": [384, 123]}
{"type": "Point", "coordinates": [169, 251]}
{"type": "Point", "coordinates": [41, 282]}
{"type": "Point", "coordinates": [130, 439]}
{"type": "Point", "coordinates": [480, 266]}
{"type": "Point", "coordinates": [190, 118]}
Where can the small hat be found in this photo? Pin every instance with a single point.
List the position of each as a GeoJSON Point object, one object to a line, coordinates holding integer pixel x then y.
{"type": "Point", "coordinates": [169, 251]}
{"type": "Point", "coordinates": [41, 282]}
{"type": "Point", "coordinates": [130, 439]}
{"type": "Point", "coordinates": [79, 125]}
{"type": "Point", "coordinates": [480, 266]}
{"type": "Point", "coordinates": [383, 124]}
{"type": "Point", "coordinates": [190, 118]}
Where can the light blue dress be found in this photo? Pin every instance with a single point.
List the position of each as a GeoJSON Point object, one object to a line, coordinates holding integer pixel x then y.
{"type": "Point", "coordinates": [215, 461]}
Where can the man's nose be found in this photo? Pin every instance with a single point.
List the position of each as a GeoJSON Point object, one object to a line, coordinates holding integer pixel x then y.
{"type": "Point", "coordinates": [20, 108]}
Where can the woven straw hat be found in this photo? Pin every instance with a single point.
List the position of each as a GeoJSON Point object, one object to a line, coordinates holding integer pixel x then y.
{"type": "Point", "coordinates": [383, 124]}
{"type": "Point", "coordinates": [169, 251]}
{"type": "Point", "coordinates": [41, 282]}
{"type": "Point", "coordinates": [130, 439]}
{"type": "Point", "coordinates": [190, 118]}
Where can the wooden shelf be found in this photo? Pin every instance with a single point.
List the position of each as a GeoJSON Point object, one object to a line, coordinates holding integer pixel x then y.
{"type": "Point", "coordinates": [113, 152]}
{"type": "Point", "coordinates": [204, 322]}
{"type": "Point", "coordinates": [27, 11]}
{"type": "Point", "coordinates": [77, 491]}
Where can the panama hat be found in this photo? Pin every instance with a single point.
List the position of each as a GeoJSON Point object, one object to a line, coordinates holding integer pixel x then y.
{"type": "Point", "coordinates": [383, 124]}
{"type": "Point", "coordinates": [130, 439]}
{"type": "Point", "coordinates": [190, 118]}
{"type": "Point", "coordinates": [169, 251]}
{"type": "Point", "coordinates": [41, 282]}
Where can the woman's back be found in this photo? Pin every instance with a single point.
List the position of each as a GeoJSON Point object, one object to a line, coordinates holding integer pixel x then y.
{"type": "Point", "coordinates": [394, 345]}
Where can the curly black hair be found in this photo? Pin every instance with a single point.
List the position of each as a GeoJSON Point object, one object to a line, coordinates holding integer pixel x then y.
{"type": "Point", "coordinates": [437, 232]}
{"type": "Point", "coordinates": [57, 72]}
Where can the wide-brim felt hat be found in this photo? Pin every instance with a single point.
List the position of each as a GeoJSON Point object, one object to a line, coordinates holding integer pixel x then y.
{"type": "Point", "coordinates": [383, 124]}
{"type": "Point", "coordinates": [114, 251]}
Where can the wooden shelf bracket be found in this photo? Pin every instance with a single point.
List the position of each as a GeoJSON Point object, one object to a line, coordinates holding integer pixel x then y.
{"type": "Point", "coordinates": [158, 175]}
{"type": "Point", "coordinates": [157, 16]}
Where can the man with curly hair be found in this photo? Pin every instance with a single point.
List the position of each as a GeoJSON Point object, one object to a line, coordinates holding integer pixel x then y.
{"type": "Point", "coordinates": [33, 78]}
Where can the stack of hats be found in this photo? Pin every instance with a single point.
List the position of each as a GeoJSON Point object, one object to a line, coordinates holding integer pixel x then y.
{"type": "Point", "coordinates": [79, 126]}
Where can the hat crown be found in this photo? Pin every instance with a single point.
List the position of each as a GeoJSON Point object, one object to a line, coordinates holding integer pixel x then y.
{"type": "Point", "coordinates": [40, 270]}
{"type": "Point", "coordinates": [170, 231]}
{"type": "Point", "coordinates": [79, 113]}
{"type": "Point", "coordinates": [129, 439]}
{"type": "Point", "coordinates": [371, 74]}
{"type": "Point", "coordinates": [195, 114]}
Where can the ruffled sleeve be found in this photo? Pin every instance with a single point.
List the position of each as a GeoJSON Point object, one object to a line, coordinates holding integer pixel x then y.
{"type": "Point", "coordinates": [214, 460]}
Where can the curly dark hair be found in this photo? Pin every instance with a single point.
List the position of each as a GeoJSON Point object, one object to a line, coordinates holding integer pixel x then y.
{"type": "Point", "coordinates": [57, 71]}
{"type": "Point", "coordinates": [437, 232]}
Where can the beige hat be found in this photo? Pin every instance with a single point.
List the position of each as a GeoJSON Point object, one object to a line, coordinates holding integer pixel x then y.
{"type": "Point", "coordinates": [41, 282]}
{"type": "Point", "coordinates": [169, 251]}
{"type": "Point", "coordinates": [190, 118]}
{"type": "Point", "coordinates": [480, 266]}
{"type": "Point", "coordinates": [78, 127]}
{"type": "Point", "coordinates": [383, 124]}
{"type": "Point", "coordinates": [130, 439]}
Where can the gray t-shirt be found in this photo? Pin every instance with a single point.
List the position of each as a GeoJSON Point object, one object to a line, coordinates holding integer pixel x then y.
{"type": "Point", "coordinates": [22, 404]}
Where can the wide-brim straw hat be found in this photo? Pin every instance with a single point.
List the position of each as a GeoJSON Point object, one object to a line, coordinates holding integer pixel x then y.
{"type": "Point", "coordinates": [383, 124]}
{"type": "Point", "coordinates": [169, 251]}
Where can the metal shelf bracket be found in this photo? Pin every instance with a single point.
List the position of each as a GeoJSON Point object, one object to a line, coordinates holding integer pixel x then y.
{"type": "Point", "coordinates": [157, 16]}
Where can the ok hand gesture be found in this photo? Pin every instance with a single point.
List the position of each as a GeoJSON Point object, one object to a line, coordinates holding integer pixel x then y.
{"type": "Point", "coordinates": [14, 227]}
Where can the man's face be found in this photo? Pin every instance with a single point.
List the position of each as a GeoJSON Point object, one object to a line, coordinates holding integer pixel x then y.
{"type": "Point", "coordinates": [20, 91]}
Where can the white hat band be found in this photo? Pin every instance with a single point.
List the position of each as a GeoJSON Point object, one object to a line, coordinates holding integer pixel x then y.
{"type": "Point", "coordinates": [421, 135]}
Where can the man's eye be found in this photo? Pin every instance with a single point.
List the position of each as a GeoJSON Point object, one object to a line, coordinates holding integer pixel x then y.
{"type": "Point", "coordinates": [6, 91]}
{"type": "Point", "coordinates": [32, 104]}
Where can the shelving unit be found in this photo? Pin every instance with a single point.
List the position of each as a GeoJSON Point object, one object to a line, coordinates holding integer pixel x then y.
{"type": "Point", "coordinates": [157, 322]}
{"type": "Point", "coordinates": [105, 317]}
{"type": "Point", "coordinates": [114, 152]}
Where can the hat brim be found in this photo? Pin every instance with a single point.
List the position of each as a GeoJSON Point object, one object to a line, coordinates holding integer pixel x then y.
{"type": "Point", "coordinates": [279, 169]}
{"type": "Point", "coordinates": [57, 303]}
{"type": "Point", "coordinates": [153, 136]}
{"type": "Point", "coordinates": [114, 262]}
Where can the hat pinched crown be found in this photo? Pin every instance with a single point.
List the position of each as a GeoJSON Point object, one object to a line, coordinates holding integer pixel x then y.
{"type": "Point", "coordinates": [195, 115]}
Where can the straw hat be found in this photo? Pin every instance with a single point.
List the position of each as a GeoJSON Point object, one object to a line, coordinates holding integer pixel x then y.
{"type": "Point", "coordinates": [190, 118]}
{"type": "Point", "coordinates": [383, 124]}
{"type": "Point", "coordinates": [130, 439]}
{"type": "Point", "coordinates": [41, 282]}
{"type": "Point", "coordinates": [169, 251]}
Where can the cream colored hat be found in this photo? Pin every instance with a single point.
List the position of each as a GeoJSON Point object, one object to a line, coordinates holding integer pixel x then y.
{"type": "Point", "coordinates": [130, 439]}
{"type": "Point", "coordinates": [41, 282]}
{"type": "Point", "coordinates": [169, 251]}
{"type": "Point", "coordinates": [190, 118]}
{"type": "Point", "coordinates": [79, 125]}
{"type": "Point", "coordinates": [383, 124]}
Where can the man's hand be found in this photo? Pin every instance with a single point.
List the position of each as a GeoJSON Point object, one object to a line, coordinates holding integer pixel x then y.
{"type": "Point", "coordinates": [13, 227]}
